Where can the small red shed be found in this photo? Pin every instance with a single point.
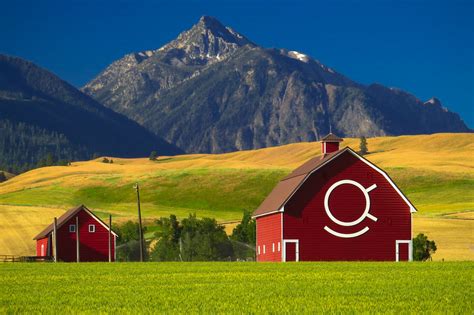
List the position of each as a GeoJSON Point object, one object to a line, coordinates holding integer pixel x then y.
{"type": "Point", "coordinates": [93, 237]}
{"type": "Point", "coordinates": [335, 207]}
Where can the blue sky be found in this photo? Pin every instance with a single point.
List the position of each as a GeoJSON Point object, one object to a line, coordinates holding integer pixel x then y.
{"type": "Point", "coordinates": [423, 47]}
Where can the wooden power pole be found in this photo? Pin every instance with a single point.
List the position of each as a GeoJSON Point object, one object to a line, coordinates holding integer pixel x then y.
{"type": "Point", "coordinates": [110, 238]}
{"type": "Point", "coordinates": [140, 230]}
{"type": "Point", "coordinates": [55, 239]}
{"type": "Point", "coordinates": [77, 239]}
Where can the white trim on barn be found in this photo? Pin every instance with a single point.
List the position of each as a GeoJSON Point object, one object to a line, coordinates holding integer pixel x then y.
{"type": "Point", "coordinates": [397, 249]}
{"type": "Point", "coordinates": [99, 220]}
{"type": "Point", "coordinates": [380, 171]}
{"type": "Point", "coordinates": [297, 249]}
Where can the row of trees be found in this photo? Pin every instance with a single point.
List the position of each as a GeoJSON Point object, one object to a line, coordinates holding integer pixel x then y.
{"type": "Point", "coordinates": [195, 239]}
{"type": "Point", "coordinates": [191, 239]}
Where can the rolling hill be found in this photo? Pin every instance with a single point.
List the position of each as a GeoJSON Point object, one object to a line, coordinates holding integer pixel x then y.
{"type": "Point", "coordinates": [435, 171]}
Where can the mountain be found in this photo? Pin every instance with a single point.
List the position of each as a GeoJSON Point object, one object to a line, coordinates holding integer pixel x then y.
{"type": "Point", "coordinates": [40, 114]}
{"type": "Point", "coordinates": [214, 90]}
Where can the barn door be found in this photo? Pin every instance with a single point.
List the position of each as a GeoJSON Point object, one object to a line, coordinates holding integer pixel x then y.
{"type": "Point", "coordinates": [290, 250]}
{"type": "Point", "coordinates": [403, 251]}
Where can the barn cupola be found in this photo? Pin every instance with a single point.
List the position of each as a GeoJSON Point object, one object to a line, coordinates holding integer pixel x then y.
{"type": "Point", "coordinates": [330, 143]}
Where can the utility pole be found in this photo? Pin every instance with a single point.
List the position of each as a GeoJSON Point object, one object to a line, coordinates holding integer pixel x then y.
{"type": "Point", "coordinates": [55, 239]}
{"type": "Point", "coordinates": [140, 230]}
{"type": "Point", "coordinates": [110, 238]}
{"type": "Point", "coordinates": [77, 240]}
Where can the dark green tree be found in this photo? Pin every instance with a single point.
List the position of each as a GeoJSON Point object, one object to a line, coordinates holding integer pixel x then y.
{"type": "Point", "coordinates": [3, 177]}
{"type": "Point", "coordinates": [244, 237]}
{"type": "Point", "coordinates": [167, 248]}
{"type": "Point", "coordinates": [423, 248]}
{"type": "Point", "coordinates": [153, 156]}
{"type": "Point", "coordinates": [191, 240]}
{"type": "Point", "coordinates": [128, 245]}
{"type": "Point", "coordinates": [363, 149]}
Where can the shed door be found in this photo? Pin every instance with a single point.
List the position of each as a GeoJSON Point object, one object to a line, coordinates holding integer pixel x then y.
{"type": "Point", "coordinates": [402, 251]}
{"type": "Point", "coordinates": [291, 251]}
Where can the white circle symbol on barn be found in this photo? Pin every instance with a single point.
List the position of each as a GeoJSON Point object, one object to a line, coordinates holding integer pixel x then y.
{"type": "Point", "coordinates": [364, 215]}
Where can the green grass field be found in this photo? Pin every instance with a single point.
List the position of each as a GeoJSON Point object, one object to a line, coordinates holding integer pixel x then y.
{"type": "Point", "coordinates": [237, 288]}
{"type": "Point", "coordinates": [436, 172]}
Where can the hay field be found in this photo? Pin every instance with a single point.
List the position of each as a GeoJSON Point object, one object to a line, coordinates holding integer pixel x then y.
{"type": "Point", "coordinates": [435, 171]}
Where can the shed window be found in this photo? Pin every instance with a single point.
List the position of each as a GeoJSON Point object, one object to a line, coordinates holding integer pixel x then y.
{"type": "Point", "coordinates": [264, 249]}
{"type": "Point", "coordinates": [72, 228]}
{"type": "Point", "coordinates": [278, 246]}
{"type": "Point", "coordinates": [273, 247]}
{"type": "Point", "coordinates": [91, 228]}
{"type": "Point", "coordinates": [259, 249]}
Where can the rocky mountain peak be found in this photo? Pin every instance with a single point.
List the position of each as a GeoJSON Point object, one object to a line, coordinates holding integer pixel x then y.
{"type": "Point", "coordinates": [208, 40]}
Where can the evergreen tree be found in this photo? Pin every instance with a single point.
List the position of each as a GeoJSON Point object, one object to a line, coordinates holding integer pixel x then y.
{"type": "Point", "coordinates": [153, 156]}
{"type": "Point", "coordinates": [3, 177]}
{"type": "Point", "coordinates": [363, 146]}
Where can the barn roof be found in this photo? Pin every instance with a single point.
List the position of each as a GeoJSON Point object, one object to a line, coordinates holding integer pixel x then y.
{"type": "Point", "coordinates": [331, 138]}
{"type": "Point", "coordinates": [285, 189]}
{"type": "Point", "coordinates": [65, 217]}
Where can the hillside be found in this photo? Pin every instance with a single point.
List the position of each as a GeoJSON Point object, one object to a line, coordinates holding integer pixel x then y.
{"type": "Point", "coordinates": [40, 114]}
{"type": "Point", "coordinates": [212, 90]}
{"type": "Point", "coordinates": [435, 171]}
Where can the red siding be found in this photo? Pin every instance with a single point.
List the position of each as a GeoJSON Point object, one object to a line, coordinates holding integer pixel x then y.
{"type": "Point", "coordinates": [305, 217]}
{"type": "Point", "coordinates": [42, 242]}
{"type": "Point", "coordinates": [93, 245]}
{"type": "Point", "coordinates": [328, 147]}
{"type": "Point", "coordinates": [269, 235]}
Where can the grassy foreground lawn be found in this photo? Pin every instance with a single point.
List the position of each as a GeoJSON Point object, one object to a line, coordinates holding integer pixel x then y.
{"type": "Point", "coordinates": [237, 287]}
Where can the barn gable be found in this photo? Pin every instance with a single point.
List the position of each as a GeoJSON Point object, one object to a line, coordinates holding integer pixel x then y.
{"type": "Point", "coordinates": [65, 218]}
{"type": "Point", "coordinates": [286, 188]}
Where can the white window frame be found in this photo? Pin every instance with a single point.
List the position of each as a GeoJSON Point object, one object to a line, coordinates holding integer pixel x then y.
{"type": "Point", "coordinates": [72, 228]}
{"type": "Point", "coordinates": [259, 249]}
{"type": "Point", "coordinates": [279, 248]}
{"type": "Point", "coordinates": [264, 249]}
{"type": "Point", "coordinates": [397, 249]}
{"type": "Point", "coordinates": [93, 228]}
{"type": "Point", "coordinates": [297, 249]}
{"type": "Point", "coordinates": [273, 247]}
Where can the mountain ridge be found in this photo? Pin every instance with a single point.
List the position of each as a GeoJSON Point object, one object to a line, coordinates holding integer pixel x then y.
{"type": "Point", "coordinates": [42, 114]}
{"type": "Point", "coordinates": [210, 90]}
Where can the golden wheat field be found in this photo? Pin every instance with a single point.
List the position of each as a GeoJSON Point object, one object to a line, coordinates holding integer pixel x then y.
{"type": "Point", "coordinates": [435, 171]}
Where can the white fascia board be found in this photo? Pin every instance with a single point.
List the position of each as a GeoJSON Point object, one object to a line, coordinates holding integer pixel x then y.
{"type": "Point", "coordinates": [99, 220]}
{"type": "Point", "coordinates": [385, 175]}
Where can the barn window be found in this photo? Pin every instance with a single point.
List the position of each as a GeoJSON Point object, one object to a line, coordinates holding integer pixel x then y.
{"type": "Point", "coordinates": [278, 246]}
{"type": "Point", "coordinates": [259, 249]}
{"type": "Point", "coordinates": [264, 249]}
{"type": "Point", "coordinates": [72, 228]}
{"type": "Point", "coordinates": [91, 228]}
{"type": "Point", "coordinates": [273, 247]}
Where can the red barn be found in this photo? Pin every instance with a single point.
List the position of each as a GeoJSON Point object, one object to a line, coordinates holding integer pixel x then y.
{"type": "Point", "coordinates": [337, 206]}
{"type": "Point", "coordinates": [93, 237]}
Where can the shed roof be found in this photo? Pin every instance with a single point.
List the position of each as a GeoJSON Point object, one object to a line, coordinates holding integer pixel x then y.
{"type": "Point", "coordinates": [65, 217]}
{"type": "Point", "coordinates": [285, 189]}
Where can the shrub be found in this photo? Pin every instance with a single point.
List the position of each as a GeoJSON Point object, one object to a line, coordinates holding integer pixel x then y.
{"type": "Point", "coordinates": [423, 248]}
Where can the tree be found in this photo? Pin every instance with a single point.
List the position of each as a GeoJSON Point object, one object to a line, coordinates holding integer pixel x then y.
{"type": "Point", "coordinates": [153, 156]}
{"type": "Point", "coordinates": [2, 177]}
{"type": "Point", "coordinates": [363, 146]}
{"type": "Point", "coordinates": [244, 237]}
{"type": "Point", "coordinates": [192, 239]}
{"type": "Point", "coordinates": [423, 248]}
{"type": "Point", "coordinates": [105, 160]}
{"type": "Point", "coordinates": [128, 244]}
